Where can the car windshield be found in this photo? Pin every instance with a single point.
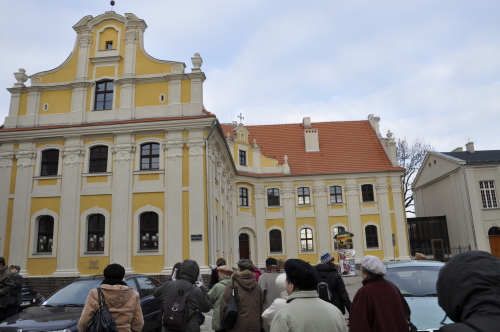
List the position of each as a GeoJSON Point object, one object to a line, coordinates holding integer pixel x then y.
{"type": "Point", "coordinates": [414, 280]}
{"type": "Point", "coordinates": [74, 294]}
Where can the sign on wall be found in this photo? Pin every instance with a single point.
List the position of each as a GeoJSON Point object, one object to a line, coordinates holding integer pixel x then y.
{"type": "Point", "coordinates": [196, 237]}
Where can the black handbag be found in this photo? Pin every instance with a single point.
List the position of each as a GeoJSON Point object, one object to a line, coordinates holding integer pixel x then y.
{"type": "Point", "coordinates": [231, 313]}
{"type": "Point", "coordinates": [102, 321]}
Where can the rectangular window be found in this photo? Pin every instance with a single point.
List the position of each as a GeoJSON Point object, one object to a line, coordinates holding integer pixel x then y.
{"type": "Point", "coordinates": [367, 193]}
{"type": "Point", "coordinates": [50, 162]}
{"type": "Point", "coordinates": [104, 96]}
{"type": "Point", "coordinates": [243, 197]}
{"type": "Point", "coordinates": [98, 159]}
{"type": "Point", "coordinates": [275, 243]}
{"type": "Point", "coordinates": [488, 195]}
{"type": "Point", "coordinates": [273, 197]}
{"type": "Point", "coordinates": [150, 156]}
{"type": "Point", "coordinates": [109, 45]}
{"type": "Point", "coordinates": [304, 196]}
{"type": "Point", "coordinates": [335, 194]}
{"type": "Point", "coordinates": [306, 239]}
{"type": "Point", "coordinates": [243, 158]}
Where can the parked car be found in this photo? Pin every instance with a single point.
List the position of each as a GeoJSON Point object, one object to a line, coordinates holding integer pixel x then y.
{"type": "Point", "coordinates": [61, 312]}
{"type": "Point", "coordinates": [31, 297]}
{"type": "Point", "coordinates": [417, 282]}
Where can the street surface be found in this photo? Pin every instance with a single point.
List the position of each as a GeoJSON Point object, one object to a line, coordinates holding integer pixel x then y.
{"type": "Point", "coordinates": [352, 285]}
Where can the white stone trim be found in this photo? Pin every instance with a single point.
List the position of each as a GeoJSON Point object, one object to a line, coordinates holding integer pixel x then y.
{"type": "Point", "coordinates": [38, 159]}
{"type": "Point", "coordinates": [379, 237]}
{"type": "Point", "coordinates": [268, 242]}
{"type": "Point", "coordinates": [137, 232]}
{"type": "Point", "coordinates": [296, 189]}
{"type": "Point", "coordinates": [243, 147]}
{"type": "Point", "coordinates": [251, 244]}
{"type": "Point", "coordinates": [107, 53]}
{"type": "Point", "coordinates": [84, 226]}
{"type": "Point", "coordinates": [162, 95]}
{"type": "Point", "coordinates": [34, 234]}
{"type": "Point", "coordinates": [315, 240]}
{"type": "Point", "coordinates": [93, 144]}
{"type": "Point", "coordinates": [139, 143]}
{"type": "Point", "coordinates": [332, 234]}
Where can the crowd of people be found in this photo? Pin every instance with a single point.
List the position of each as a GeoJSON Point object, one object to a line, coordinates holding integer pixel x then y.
{"type": "Point", "coordinates": [290, 295]}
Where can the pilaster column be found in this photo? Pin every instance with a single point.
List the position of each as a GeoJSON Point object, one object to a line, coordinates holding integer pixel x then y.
{"type": "Point", "coordinates": [131, 39]}
{"type": "Point", "coordinates": [401, 225]}
{"type": "Point", "coordinates": [260, 225]}
{"type": "Point", "coordinates": [78, 101]}
{"type": "Point", "coordinates": [67, 244]}
{"type": "Point", "coordinates": [355, 227]}
{"type": "Point", "coordinates": [19, 244]}
{"type": "Point", "coordinates": [33, 106]}
{"type": "Point", "coordinates": [15, 99]}
{"type": "Point", "coordinates": [288, 194]}
{"type": "Point", "coordinates": [121, 210]}
{"type": "Point", "coordinates": [127, 93]}
{"type": "Point", "coordinates": [174, 91]}
{"type": "Point", "coordinates": [6, 162]}
{"type": "Point", "coordinates": [84, 43]}
{"type": "Point", "coordinates": [385, 221]}
{"type": "Point", "coordinates": [196, 201]}
{"type": "Point", "coordinates": [322, 223]}
{"type": "Point", "coordinates": [173, 204]}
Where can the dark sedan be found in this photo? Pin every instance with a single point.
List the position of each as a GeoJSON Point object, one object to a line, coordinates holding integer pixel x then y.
{"type": "Point", "coordinates": [61, 312]}
{"type": "Point", "coordinates": [31, 297]}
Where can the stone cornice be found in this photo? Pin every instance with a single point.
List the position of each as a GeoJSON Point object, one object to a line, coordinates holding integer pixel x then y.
{"type": "Point", "coordinates": [196, 148]}
{"type": "Point", "coordinates": [382, 189]}
{"type": "Point", "coordinates": [72, 156]}
{"type": "Point", "coordinates": [352, 190]}
{"type": "Point", "coordinates": [106, 59]}
{"type": "Point", "coordinates": [288, 193]}
{"type": "Point", "coordinates": [123, 152]}
{"type": "Point", "coordinates": [175, 150]}
{"type": "Point", "coordinates": [25, 159]}
{"type": "Point", "coordinates": [320, 191]}
{"type": "Point", "coordinates": [6, 159]}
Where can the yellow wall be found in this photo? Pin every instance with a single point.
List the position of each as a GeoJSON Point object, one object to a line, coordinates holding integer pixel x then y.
{"type": "Point", "coordinates": [275, 222]}
{"type": "Point", "coordinates": [145, 66]}
{"type": "Point", "coordinates": [48, 182]}
{"type": "Point", "coordinates": [65, 74]}
{"type": "Point", "coordinates": [89, 95]}
{"type": "Point", "coordinates": [267, 162]}
{"type": "Point", "coordinates": [61, 143]}
{"type": "Point", "coordinates": [149, 177]}
{"type": "Point", "coordinates": [250, 156]}
{"type": "Point", "coordinates": [100, 201]}
{"type": "Point", "coordinates": [311, 258]}
{"type": "Point", "coordinates": [97, 179]}
{"type": "Point", "coordinates": [108, 34]}
{"type": "Point", "coordinates": [118, 90]}
{"type": "Point", "coordinates": [105, 71]}
{"type": "Point", "coordinates": [185, 226]}
{"type": "Point", "coordinates": [138, 138]}
{"type": "Point", "coordinates": [148, 94]}
{"type": "Point", "coordinates": [50, 203]}
{"type": "Point", "coordinates": [148, 264]}
{"type": "Point", "coordinates": [90, 140]}
{"type": "Point", "coordinates": [84, 264]}
{"type": "Point", "coordinates": [59, 101]}
{"type": "Point", "coordinates": [13, 177]}
{"type": "Point", "coordinates": [23, 104]}
{"type": "Point", "coordinates": [185, 91]}
{"type": "Point", "coordinates": [8, 229]}
{"type": "Point", "coordinates": [41, 266]}
{"type": "Point", "coordinates": [143, 199]}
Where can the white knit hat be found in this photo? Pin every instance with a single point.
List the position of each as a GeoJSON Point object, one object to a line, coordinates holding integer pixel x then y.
{"type": "Point", "coordinates": [374, 265]}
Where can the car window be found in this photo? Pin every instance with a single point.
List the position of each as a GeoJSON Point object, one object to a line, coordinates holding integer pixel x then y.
{"type": "Point", "coordinates": [75, 293]}
{"type": "Point", "coordinates": [415, 280]}
{"type": "Point", "coordinates": [131, 283]}
{"type": "Point", "coordinates": [147, 286]}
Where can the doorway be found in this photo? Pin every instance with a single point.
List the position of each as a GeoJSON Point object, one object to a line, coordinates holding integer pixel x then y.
{"type": "Point", "coordinates": [494, 237]}
{"type": "Point", "coordinates": [244, 246]}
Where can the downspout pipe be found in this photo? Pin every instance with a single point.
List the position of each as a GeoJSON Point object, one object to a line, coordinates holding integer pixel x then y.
{"type": "Point", "coordinates": [209, 192]}
{"type": "Point", "coordinates": [470, 208]}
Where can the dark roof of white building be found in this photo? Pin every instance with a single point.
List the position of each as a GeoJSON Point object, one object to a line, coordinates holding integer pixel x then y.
{"type": "Point", "coordinates": [476, 158]}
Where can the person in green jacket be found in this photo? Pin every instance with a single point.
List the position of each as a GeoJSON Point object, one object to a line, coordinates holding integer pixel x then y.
{"type": "Point", "coordinates": [224, 273]}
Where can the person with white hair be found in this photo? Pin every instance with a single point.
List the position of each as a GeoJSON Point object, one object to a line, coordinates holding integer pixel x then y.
{"type": "Point", "coordinates": [378, 305]}
{"type": "Point", "coordinates": [278, 304]}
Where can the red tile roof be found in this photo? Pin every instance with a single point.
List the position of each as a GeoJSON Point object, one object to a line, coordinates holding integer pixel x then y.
{"type": "Point", "coordinates": [345, 147]}
{"type": "Point", "coordinates": [208, 114]}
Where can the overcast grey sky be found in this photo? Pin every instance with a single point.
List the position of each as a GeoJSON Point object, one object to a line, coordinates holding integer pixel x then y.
{"type": "Point", "coordinates": [427, 68]}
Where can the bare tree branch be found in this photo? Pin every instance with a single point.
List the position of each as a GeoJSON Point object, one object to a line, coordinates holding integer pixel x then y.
{"type": "Point", "coordinates": [411, 156]}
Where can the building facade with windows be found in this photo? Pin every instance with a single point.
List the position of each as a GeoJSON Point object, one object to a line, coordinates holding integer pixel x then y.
{"type": "Point", "coordinates": [462, 185]}
{"type": "Point", "coordinates": [112, 157]}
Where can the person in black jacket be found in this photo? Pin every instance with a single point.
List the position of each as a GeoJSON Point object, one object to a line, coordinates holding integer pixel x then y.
{"type": "Point", "coordinates": [468, 290]}
{"type": "Point", "coordinates": [329, 274]}
{"type": "Point", "coordinates": [15, 297]}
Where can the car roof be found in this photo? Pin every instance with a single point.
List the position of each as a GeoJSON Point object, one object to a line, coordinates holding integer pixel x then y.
{"type": "Point", "coordinates": [101, 276]}
{"type": "Point", "coordinates": [413, 263]}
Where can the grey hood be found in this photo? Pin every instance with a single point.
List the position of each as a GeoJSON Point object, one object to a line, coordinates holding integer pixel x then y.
{"type": "Point", "coordinates": [189, 271]}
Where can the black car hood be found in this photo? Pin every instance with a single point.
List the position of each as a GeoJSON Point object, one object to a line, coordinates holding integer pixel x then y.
{"type": "Point", "coordinates": [42, 319]}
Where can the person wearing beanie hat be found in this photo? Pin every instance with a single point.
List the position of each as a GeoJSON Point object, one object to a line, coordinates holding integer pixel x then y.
{"type": "Point", "coordinates": [224, 273]}
{"type": "Point", "coordinates": [267, 282]}
{"type": "Point", "coordinates": [378, 305]}
{"type": "Point", "coordinates": [123, 302]}
{"type": "Point", "coordinates": [330, 275]}
{"type": "Point", "coordinates": [305, 311]}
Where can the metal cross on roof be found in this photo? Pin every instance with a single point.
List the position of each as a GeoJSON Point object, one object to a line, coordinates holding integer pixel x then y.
{"type": "Point", "coordinates": [240, 116]}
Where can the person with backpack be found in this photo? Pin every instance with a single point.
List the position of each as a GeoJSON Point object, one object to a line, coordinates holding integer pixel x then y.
{"type": "Point", "coordinates": [224, 272]}
{"type": "Point", "coordinates": [331, 287]}
{"type": "Point", "coordinates": [182, 299]}
{"type": "Point", "coordinates": [122, 301]}
{"type": "Point", "coordinates": [249, 297]}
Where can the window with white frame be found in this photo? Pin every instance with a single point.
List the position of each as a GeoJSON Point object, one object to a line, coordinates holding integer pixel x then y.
{"type": "Point", "coordinates": [306, 239]}
{"type": "Point", "coordinates": [304, 195]}
{"type": "Point", "coordinates": [98, 161]}
{"type": "Point", "coordinates": [243, 197]}
{"type": "Point", "coordinates": [337, 230]}
{"type": "Point", "coordinates": [275, 241]}
{"type": "Point", "coordinates": [96, 233]}
{"type": "Point", "coordinates": [150, 156]}
{"type": "Point", "coordinates": [45, 234]}
{"type": "Point", "coordinates": [335, 194]}
{"type": "Point", "coordinates": [149, 231]}
{"type": "Point", "coordinates": [50, 162]}
{"type": "Point", "coordinates": [273, 197]}
{"type": "Point", "coordinates": [243, 157]}
{"type": "Point", "coordinates": [488, 194]}
{"type": "Point", "coordinates": [371, 236]}
{"type": "Point", "coordinates": [367, 193]}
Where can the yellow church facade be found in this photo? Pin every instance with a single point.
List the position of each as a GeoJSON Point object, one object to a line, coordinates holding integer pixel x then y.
{"type": "Point", "coordinates": [112, 158]}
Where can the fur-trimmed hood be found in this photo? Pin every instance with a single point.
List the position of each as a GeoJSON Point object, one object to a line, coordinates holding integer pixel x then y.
{"type": "Point", "coordinates": [246, 279]}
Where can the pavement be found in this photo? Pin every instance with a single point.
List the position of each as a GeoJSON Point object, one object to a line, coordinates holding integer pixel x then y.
{"type": "Point", "coordinates": [352, 284]}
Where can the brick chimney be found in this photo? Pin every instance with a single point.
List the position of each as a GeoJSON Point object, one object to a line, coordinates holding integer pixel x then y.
{"type": "Point", "coordinates": [470, 147]}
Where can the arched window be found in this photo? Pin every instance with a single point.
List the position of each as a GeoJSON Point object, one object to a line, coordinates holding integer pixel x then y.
{"type": "Point", "coordinates": [275, 241]}
{"type": "Point", "coordinates": [150, 156]}
{"type": "Point", "coordinates": [96, 233]}
{"type": "Point", "coordinates": [304, 195]}
{"type": "Point", "coordinates": [45, 234]}
{"type": "Point", "coordinates": [371, 236]}
{"type": "Point", "coordinates": [149, 231]}
{"type": "Point", "coordinates": [273, 197]}
{"type": "Point", "coordinates": [98, 161]}
{"type": "Point", "coordinates": [367, 193]}
{"type": "Point", "coordinates": [337, 230]}
{"type": "Point", "coordinates": [306, 239]}
{"type": "Point", "coordinates": [243, 197]}
{"type": "Point", "coordinates": [494, 231]}
{"type": "Point", "coordinates": [50, 162]}
{"type": "Point", "coordinates": [104, 96]}
{"type": "Point", "coordinates": [335, 194]}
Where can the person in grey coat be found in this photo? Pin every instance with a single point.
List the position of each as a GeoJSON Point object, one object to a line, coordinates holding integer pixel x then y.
{"type": "Point", "coordinates": [197, 299]}
{"type": "Point", "coordinates": [15, 297]}
{"type": "Point", "coordinates": [6, 286]}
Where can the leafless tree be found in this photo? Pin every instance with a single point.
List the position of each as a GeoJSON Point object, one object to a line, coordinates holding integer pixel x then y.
{"type": "Point", "coordinates": [411, 156]}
